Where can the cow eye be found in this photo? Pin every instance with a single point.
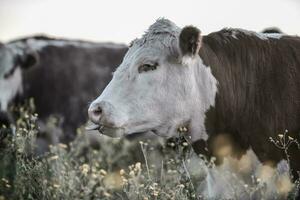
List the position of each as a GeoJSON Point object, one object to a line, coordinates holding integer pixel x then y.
{"type": "Point", "coordinates": [147, 67]}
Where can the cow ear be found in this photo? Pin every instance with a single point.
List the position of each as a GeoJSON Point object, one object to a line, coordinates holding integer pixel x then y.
{"type": "Point", "coordinates": [29, 59]}
{"type": "Point", "coordinates": [190, 41]}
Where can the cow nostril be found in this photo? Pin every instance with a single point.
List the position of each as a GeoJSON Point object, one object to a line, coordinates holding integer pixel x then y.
{"type": "Point", "coordinates": [98, 111]}
{"type": "Point", "coordinates": [95, 113]}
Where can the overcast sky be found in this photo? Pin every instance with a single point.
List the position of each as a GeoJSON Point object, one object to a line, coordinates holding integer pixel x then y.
{"type": "Point", "coordinates": [124, 20]}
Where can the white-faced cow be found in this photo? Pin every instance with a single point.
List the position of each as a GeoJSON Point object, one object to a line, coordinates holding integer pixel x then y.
{"type": "Point", "coordinates": [236, 84]}
{"type": "Point", "coordinates": [61, 75]}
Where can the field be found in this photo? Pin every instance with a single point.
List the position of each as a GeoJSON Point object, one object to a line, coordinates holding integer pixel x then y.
{"type": "Point", "coordinates": [105, 168]}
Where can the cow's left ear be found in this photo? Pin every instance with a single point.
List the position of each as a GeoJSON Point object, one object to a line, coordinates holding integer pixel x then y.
{"type": "Point", "coordinates": [28, 59]}
{"type": "Point", "coordinates": [190, 41]}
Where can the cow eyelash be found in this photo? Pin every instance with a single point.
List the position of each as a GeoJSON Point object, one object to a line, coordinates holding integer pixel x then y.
{"type": "Point", "coordinates": [147, 67]}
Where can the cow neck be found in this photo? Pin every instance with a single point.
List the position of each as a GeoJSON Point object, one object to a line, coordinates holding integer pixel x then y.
{"type": "Point", "coordinates": [209, 59]}
{"type": "Point", "coordinates": [208, 56]}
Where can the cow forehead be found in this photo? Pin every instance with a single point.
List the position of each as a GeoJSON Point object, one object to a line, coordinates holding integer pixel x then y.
{"type": "Point", "coordinates": [153, 48]}
{"type": "Point", "coordinates": [159, 42]}
{"type": "Point", "coordinates": [162, 35]}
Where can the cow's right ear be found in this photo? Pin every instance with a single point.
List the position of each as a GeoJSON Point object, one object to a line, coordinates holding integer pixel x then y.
{"type": "Point", "coordinates": [190, 41]}
{"type": "Point", "coordinates": [28, 59]}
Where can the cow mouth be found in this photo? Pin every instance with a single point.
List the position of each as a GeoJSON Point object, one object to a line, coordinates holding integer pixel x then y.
{"type": "Point", "coordinates": [115, 132]}
{"type": "Point", "coordinates": [99, 127]}
{"type": "Point", "coordinates": [106, 129]}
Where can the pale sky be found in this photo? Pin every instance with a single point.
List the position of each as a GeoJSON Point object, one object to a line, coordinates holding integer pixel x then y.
{"type": "Point", "coordinates": [123, 20]}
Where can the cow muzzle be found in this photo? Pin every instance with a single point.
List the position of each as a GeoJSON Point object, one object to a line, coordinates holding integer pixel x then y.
{"type": "Point", "coordinates": [95, 112]}
{"type": "Point", "coordinates": [105, 118]}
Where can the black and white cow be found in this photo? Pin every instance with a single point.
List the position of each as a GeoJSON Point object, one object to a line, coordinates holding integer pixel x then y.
{"type": "Point", "coordinates": [233, 84]}
{"type": "Point", "coordinates": [61, 75]}
{"type": "Point", "coordinates": [272, 30]}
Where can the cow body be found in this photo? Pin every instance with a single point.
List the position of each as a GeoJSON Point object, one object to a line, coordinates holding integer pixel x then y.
{"type": "Point", "coordinates": [258, 91]}
{"type": "Point", "coordinates": [58, 75]}
{"type": "Point", "coordinates": [233, 83]}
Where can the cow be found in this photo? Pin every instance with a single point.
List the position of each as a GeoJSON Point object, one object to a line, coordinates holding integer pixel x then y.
{"type": "Point", "coordinates": [232, 86]}
{"type": "Point", "coordinates": [272, 30]}
{"type": "Point", "coordinates": [61, 75]}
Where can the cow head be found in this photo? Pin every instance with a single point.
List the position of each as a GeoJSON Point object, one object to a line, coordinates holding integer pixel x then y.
{"type": "Point", "coordinates": [12, 60]}
{"type": "Point", "coordinates": [160, 86]}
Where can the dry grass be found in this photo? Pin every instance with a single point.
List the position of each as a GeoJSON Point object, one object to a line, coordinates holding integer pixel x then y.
{"type": "Point", "coordinates": [118, 169]}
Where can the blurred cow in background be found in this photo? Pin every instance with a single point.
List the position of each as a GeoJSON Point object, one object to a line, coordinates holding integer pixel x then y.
{"type": "Point", "coordinates": [272, 30]}
{"type": "Point", "coordinates": [62, 76]}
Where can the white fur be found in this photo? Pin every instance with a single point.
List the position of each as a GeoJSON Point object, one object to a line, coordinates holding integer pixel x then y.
{"type": "Point", "coordinates": [274, 35]}
{"type": "Point", "coordinates": [262, 36]}
{"type": "Point", "coordinates": [9, 88]}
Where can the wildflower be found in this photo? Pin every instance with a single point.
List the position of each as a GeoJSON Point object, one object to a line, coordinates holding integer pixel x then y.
{"type": "Point", "coordinates": [172, 144]}
{"type": "Point", "coordinates": [155, 193]}
{"type": "Point", "coordinates": [95, 152]}
{"type": "Point", "coordinates": [122, 172]}
{"type": "Point", "coordinates": [103, 172]}
{"type": "Point", "coordinates": [94, 175]}
{"type": "Point", "coordinates": [53, 158]}
{"type": "Point", "coordinates": [290, 138]}
{"type": "Point", "coordinates": [124, 180]}
{"type": "Point", "coordinates": [185, 144]}
{"type": "Point", "coordinates": [56, 185]}
{"type": "Point", "coordinates": [4, 180]}
{"type": "Point", "coordinates": [61, 145]}
{"type": "Point", "coordinates": [131, 173]}
{"type": "Point", "coordinates": [258, 180]}
{"type": "Point", "coordinates": [138, 166]}
{"type": "Point", "coordinates": [85, 168]}
{"type": "Point", "coordinates": [181, 186]}
{"type": "Point", "coordinates": [107, 194]}
{"type": "Point", "coordinates": [280, 136]}
{"type": "Point", "coordinates": [213, 159]}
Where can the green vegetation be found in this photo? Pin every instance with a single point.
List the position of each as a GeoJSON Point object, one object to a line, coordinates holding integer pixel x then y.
{"type": "Point", "coordinates": [112, 169]}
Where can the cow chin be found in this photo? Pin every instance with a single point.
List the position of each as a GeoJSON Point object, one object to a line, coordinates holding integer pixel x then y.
{"type": "Point", "coordinates": [112, 132]}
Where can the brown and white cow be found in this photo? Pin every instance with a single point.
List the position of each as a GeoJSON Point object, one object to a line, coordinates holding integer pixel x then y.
{"type": "Point", "coordinates": [234, 84]}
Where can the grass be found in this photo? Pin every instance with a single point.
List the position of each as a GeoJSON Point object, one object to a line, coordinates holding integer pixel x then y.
{"type": "Point", "coordinates": [113, 169]}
